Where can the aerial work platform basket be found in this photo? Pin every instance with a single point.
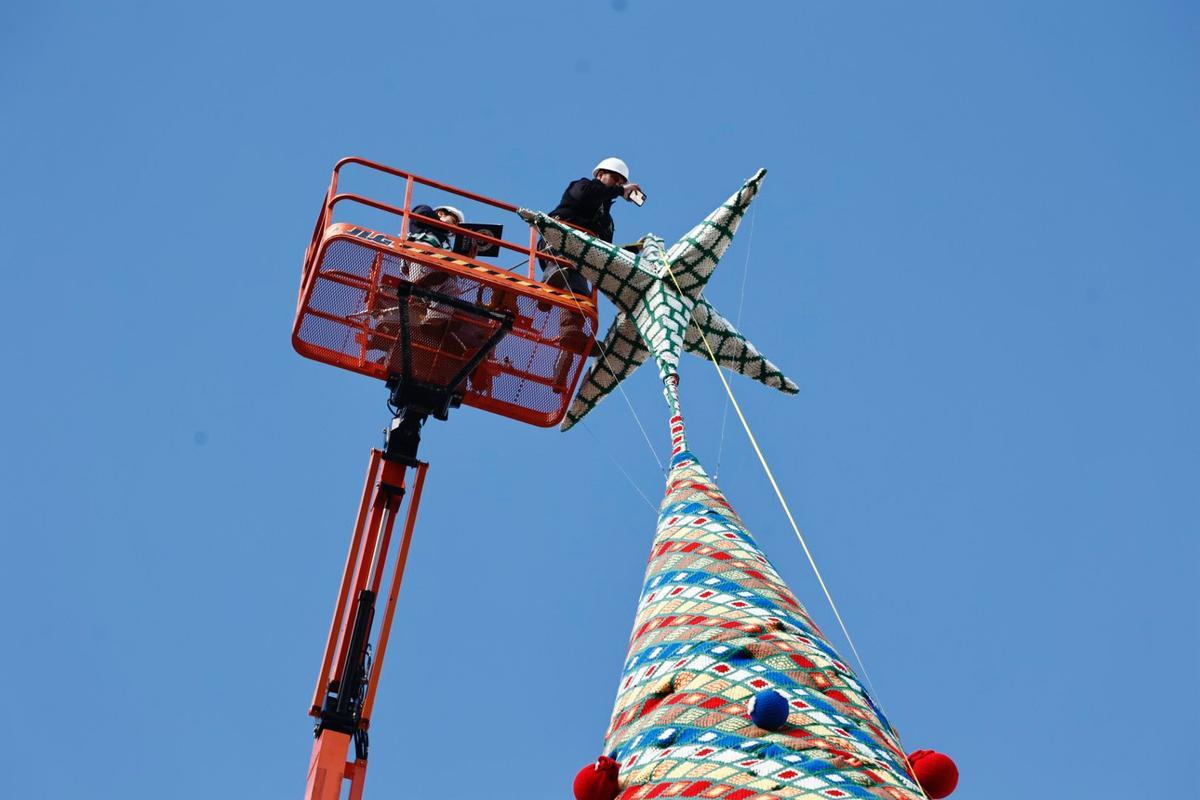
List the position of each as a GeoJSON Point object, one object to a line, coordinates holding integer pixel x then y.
{"type": "Point", "coordinates": [422, 317]}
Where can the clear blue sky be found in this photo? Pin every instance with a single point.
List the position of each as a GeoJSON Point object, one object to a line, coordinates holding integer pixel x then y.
{"type": "Point", "coordinates": [976, 251]}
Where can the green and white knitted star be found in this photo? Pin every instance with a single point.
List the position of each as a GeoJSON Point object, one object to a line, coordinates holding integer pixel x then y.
{"type": "Point", "coordinates": [660, 308]}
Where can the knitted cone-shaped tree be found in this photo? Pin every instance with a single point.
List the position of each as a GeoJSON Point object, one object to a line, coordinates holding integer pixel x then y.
{"type": "Point", "coordinates": [716, 627]}
{"type": "Point", "coordinates": [729, 690]}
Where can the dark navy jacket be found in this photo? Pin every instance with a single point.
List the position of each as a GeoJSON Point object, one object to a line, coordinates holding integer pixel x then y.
{"type": "Point", "coordinates": [588, 203]}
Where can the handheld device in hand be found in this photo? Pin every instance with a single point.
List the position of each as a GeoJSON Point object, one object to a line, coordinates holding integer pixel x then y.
{"type": "Point", "coordinates": [637, 197]}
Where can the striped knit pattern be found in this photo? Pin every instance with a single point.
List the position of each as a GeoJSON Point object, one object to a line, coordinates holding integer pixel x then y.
{"type": "Point", "coordinates": [716, 624]}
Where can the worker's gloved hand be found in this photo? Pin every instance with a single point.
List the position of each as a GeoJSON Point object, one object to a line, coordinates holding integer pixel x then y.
{"type": "Point", "coordinates": [629, 189]}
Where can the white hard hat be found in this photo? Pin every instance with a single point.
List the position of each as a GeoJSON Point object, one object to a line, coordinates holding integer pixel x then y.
{"type": "Point", "coordinates": [613, 165]}
{"type": "Point", "coordinates": [452, 210]}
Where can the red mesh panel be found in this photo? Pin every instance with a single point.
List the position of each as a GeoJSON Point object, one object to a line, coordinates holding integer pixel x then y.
{"type": "Point", "coordinates": [351, 318]}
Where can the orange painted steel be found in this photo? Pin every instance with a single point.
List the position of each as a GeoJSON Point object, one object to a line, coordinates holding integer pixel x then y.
{"type": "Point", "coordinates": [343, 593]}
{"type": "Point", "coordinates": [385, 627]}
{"type": "Point", "coordinates": [408, 186]}
{"type": "Point", "coordinates": [381, 497]}
{"type": "Point", "coordinates": [356, 773]}
{"type": "Point", "coordinates": [347, 309]}
{"type": "Point", "coordinates": [370, 544]}
{"type": "Point", "coordinates": [327, 768]}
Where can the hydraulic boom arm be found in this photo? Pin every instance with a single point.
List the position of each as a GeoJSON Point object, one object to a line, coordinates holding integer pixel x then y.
{"type": "Point", "coordinates": [349, 676]}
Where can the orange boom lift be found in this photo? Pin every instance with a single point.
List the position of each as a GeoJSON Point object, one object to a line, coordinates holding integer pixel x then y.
{"type": "Point", "coordinates": [441, 328]}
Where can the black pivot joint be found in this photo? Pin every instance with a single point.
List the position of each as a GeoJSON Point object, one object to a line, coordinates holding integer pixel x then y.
{"type": "Point", "coordinates": [403, 436]}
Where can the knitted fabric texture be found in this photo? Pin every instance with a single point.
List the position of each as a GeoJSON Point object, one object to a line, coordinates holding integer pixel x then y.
{"type": "Point", "coordinates": [660, 306]}
{"type": "Point", "coordinates": [715, 625]}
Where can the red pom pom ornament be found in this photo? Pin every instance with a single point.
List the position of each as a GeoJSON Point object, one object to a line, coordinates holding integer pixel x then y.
{"type": "Point", "coordinates": [936, 772]}
{"type": "Point", "coordinates": [597, 781]}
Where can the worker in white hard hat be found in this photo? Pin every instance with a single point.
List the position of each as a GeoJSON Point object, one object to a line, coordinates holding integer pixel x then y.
{"type": "Point", "coordinates": [425, 233]}
{"type": "Point", "coordinates": [431, 322]}
{"type": "Point", "coordinates": [587, 203]}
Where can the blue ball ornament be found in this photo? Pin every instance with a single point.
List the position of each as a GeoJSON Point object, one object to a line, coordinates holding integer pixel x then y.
{"type": "Point", "coordinates": [769, 710]}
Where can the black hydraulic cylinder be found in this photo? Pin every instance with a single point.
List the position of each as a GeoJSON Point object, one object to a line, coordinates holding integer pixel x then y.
{"type": "Point", "coordinates": [343, 702]}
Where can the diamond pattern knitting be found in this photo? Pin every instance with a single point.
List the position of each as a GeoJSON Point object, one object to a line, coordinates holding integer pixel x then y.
{"type": "Point", "coordinates": [661, 310]}
{"type": "Point", "coordinates": [716, 624]}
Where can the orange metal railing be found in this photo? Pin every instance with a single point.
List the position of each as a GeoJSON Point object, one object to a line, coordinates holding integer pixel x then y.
{"type": "Point", "coordinates": [333, 198]}
{"type": "Point", "coordinates": [351, 273]}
